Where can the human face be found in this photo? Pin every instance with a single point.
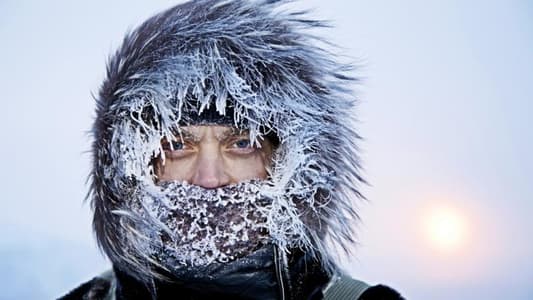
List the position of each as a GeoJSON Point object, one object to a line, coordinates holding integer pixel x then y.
{"type": "Point", "coordinates": [213, 156]}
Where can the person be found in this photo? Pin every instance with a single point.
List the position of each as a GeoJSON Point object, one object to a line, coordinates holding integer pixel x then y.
{"type": "Point", "coordinates": [225, 165]}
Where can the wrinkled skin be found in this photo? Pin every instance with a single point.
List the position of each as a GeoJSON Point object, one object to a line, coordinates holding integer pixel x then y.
{"type": "Point", "coordinates": [213, 156]}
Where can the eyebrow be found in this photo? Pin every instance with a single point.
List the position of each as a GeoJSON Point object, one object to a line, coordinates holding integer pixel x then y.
{"type": "Point", "coordinates": [227, 134]}
{"type": "Point", "coordinates": [231, 133]}
{"type": "Point", "coordinates": [184, 134]}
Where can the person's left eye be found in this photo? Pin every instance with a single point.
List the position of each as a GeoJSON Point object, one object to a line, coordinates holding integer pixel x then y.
{"type": "Point", "coordinates": [242, 144]}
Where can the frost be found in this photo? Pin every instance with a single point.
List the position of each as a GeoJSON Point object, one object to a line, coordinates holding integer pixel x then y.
{"type": "Point", "coordinates": [186, 225]}
{"type": "Point", "coordinates": [271, 70]}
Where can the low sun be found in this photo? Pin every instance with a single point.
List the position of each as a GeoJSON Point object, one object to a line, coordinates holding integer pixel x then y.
{"type": "Point", "coordinates": [445, 229]}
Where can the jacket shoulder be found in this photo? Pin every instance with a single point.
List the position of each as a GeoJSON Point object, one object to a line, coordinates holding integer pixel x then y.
{"type": "Point", "coordinates": [346, 287]}
{"type": "Point", "coordinates": [99, 288]}
{"type": "Point", "coordinates": [381, 292]}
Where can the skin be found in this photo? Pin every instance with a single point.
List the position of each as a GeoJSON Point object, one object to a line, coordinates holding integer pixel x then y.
{"type": "Point", "coordinates": [213, 156]}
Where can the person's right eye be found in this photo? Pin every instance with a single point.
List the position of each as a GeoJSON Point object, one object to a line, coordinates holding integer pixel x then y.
{"type": "Point", "coordinates": [177, 145]}
{"type": "Point", "coordinates": [173, 145]}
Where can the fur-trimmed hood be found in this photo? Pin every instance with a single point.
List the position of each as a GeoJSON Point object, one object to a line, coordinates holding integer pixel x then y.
{"type": "Point", "coordinates": [275, 75]}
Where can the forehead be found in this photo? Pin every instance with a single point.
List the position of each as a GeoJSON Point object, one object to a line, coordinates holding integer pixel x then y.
{"type": "Point", "coordinates": [210, 131]}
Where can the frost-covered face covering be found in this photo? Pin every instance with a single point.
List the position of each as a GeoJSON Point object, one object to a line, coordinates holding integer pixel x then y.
{"type": "Point", "coordinates": [187, 225]}
{"type": "Point", "coordinates": [262, 68]}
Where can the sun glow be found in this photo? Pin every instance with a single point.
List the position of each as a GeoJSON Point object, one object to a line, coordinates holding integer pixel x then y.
{"type": "Point", "coordinates": [454, 239]}
{"type": "Point", "coordinates": [445, 229]}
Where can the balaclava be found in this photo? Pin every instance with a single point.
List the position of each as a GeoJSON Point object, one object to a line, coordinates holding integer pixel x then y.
{"type": "Point", "coordinates": [248, 64]}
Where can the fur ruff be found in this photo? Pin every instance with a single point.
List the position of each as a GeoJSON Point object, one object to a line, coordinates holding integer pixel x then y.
{"type": "Point", "coordinates": [264, 63]}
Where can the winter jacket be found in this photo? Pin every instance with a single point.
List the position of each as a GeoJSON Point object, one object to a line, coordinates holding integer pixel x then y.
{"type": "Point", "coordinates": [104, 287]}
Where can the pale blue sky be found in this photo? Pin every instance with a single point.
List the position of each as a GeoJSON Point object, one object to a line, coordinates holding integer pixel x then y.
{"type": "Point", "coordinates": [446, 105]}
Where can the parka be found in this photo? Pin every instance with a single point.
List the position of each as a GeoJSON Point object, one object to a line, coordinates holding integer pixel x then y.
{"type": "Point", "coordinates": [258, 66]}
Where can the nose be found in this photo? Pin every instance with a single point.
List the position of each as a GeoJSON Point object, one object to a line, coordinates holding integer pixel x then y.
{"type": "Point", "coordinates": [210, 172]}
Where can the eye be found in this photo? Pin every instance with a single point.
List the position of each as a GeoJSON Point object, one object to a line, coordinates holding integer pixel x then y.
{"type": "Point", "coordinates": [242, 144]}
{"type": "Point", "coordinates": [177, 145]}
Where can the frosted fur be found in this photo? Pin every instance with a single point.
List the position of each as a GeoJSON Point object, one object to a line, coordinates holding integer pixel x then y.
{"type": "Point", "coordinates": [264, 63]}
{"type": "Point", "coordinates": [185, 225]}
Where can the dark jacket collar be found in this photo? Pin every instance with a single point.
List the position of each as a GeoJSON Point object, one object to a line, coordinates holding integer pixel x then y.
{"type": "Point", "coordinates": [265, 274]}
